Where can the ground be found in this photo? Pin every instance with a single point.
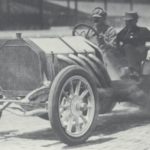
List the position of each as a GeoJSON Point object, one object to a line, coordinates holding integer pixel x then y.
{"type": "Point", "coordinates": [127, 127]}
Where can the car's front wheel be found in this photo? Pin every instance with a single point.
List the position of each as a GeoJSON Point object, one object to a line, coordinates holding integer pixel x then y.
{"type": "Point", "coordinates": [73, 105]}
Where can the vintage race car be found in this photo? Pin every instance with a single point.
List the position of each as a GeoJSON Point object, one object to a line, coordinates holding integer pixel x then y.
{"type": "Point", "coordinates": [55, 77]}
{"type": "Point", "coordinates": [60, 79]}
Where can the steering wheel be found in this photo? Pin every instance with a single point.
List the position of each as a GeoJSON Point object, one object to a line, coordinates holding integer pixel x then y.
{"type": "Point", "coordinates": [86, 31]}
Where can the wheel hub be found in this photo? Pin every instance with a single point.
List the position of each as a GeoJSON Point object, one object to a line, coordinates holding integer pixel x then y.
{"type": "Point", "coordinates": [75, 106]}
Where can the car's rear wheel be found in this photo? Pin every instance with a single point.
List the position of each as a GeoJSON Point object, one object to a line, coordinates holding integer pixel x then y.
{"type": "Point", "coordinates": [73, 105]}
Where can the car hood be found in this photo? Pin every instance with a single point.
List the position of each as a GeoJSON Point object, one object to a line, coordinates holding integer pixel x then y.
{"type": "Point", "coordinates": [64, 45]}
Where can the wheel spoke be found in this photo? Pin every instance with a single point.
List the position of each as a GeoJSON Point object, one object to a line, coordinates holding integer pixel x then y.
{"type": "Point", "coordinates": [71, 88]}
{"type": "Point", "coordinates": [65, 102]}
{"type": "Point", "coordinates": [70, 125]}
{"type": "Point", "coordinates": [77, 125]}
{"type": "Point", "coordinates": [83, 119]}
{"type": "Point", "coordinates": [84, 106]}
{"type": "Point", "coordinates": [77, 90]}
{"type": "Point", "coordinates": [61, 109]}
{"type": "Point", "coordinates": [89, 106]}
{"type": "Point", "coordinates": [65, 115]}
{"type": "Point", "coordinates": [84, 93]}
{"type": "Point", "coordinates": [65, 94]}
{"type": "Point", "coordinates": [64, 123]}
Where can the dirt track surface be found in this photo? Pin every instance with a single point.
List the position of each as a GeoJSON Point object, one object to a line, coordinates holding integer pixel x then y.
{"type": "Point", "coordinates": [125, 128]}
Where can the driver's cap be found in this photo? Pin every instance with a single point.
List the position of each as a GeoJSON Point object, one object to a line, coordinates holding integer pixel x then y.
{"type": "Point", "coordinates": [98, 12]}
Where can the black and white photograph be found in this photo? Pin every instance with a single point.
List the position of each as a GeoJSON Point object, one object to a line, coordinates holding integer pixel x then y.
{"type": "Point", "coordinates": [75, 74]}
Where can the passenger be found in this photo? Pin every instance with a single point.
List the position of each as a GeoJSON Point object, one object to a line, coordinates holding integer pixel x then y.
{"type": "Point", "coordinates": [131, 42]}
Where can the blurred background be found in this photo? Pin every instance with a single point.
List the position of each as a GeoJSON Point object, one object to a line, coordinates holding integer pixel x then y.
{"type": "Point", "coordinates": [44, 14]}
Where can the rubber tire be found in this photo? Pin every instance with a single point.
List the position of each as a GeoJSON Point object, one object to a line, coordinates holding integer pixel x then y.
{"type": "Point", "coordinates": [53, 101]}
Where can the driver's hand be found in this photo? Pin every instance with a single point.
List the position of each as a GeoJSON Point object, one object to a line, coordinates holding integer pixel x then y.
{"type": "Point", "coordinates": [101, 39]}
{"type": "Point", "coordinates": [101, 36]}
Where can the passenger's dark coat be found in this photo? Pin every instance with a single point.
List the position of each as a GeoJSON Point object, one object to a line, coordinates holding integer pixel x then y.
{"type": "Point", "coordinates": [131, 42]}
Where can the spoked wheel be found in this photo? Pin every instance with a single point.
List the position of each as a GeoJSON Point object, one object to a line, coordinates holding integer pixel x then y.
{"type": "Point", "coordinates": [73, 105]}
{"type": "Point", "coordinates": [86, 31]}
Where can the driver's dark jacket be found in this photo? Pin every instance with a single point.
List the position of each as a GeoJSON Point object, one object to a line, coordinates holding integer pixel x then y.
{"type": "Point", "coordinates": [131, 43]}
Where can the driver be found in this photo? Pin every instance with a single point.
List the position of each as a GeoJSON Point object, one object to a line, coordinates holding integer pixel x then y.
{"type": "Point", "coordinates": [107, 42]}
{"type": "Point", "coordinates": [107, 34]}
{"type": "Point", "coordinates": [131, 42]}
